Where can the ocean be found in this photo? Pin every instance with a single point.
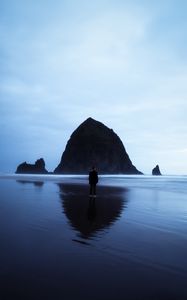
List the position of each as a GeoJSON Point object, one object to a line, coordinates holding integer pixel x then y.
{"type": "Point", "coordinates": [130, 242]}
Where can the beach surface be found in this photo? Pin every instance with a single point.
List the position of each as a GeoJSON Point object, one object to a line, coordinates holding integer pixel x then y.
{"type": "Point", "coordinates": [130, 242]}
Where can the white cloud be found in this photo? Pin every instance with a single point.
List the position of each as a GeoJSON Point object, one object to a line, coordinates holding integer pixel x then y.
{"type": "Point", "coordinates": [19, 88]}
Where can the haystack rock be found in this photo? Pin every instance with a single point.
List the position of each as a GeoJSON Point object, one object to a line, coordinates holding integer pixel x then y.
{"type": "Point", "coordinates": [37, 168]}
{"type": "Point", "coordinates": [156, 171]}
{"type": "Point", "coordinates": [93, 143]}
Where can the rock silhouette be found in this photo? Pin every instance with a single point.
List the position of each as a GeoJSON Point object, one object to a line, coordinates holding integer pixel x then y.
{"type": "Point", "coordinates": [93, 143]}
{"type": "Point", "coordinates": [37, 168]}
{"type": "Point", "coordinates": [156, 171]}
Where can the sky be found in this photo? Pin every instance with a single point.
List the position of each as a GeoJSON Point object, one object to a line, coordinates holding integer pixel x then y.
{"type": "Point", "coordinates": [121, 62]}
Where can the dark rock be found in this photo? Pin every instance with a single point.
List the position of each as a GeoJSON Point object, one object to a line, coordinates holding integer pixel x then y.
{"type": "Point", "coordinates": [37, 168]}
{"type": "Point", "coordinates": [156, 171]}
{"type": "Point", "coordinates": [92, 143]}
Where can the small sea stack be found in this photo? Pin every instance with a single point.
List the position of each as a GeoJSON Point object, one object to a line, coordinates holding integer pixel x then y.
{"type": "Point", "coordinates": [156, 171]}
{"type": "Point", "coordinates": [37, 168]}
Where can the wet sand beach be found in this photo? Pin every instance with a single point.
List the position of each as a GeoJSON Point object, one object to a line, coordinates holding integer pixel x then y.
{"type": "Point", "coordinates": [130, 242]}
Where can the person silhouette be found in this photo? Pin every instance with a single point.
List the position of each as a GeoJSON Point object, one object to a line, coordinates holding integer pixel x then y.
{"type": "Point", "coordinates": [93, 180]}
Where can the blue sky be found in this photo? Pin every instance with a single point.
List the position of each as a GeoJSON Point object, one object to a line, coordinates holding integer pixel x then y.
{"type": "Point", "coordinates": [123, 63]}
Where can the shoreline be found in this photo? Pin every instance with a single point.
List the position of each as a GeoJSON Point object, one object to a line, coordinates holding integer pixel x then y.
{"type": "Point", "coordinates": [84, 175]}
{"type": "Point", "coordinates": [164, 183]}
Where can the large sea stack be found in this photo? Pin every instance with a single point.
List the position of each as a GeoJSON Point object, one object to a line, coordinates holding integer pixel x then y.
{"type": "Point", "coordinates": [93, 143]}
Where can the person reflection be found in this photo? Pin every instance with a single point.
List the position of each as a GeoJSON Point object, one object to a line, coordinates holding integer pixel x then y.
{"type": "Point", "coordinates": [93, 180]}
{"type": "Point", "coordinates": [91, 210]}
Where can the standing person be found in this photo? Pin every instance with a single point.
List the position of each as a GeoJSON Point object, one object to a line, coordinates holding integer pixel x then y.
{"type": "Point", "coordinates": [93, 180]}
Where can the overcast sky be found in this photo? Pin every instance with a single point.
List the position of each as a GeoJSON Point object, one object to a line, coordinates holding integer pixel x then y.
{"type": "Point", "coordinates": [121, 62]}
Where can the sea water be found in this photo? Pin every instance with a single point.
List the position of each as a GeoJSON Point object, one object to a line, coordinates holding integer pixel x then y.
{"type": "Point", "coordinates": [130, 242]}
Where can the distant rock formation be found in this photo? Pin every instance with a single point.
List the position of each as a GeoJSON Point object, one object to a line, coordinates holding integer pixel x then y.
{"type": "Point", "coordinates": [156, 171]}
{"type": "Point", "coordinates": [37, 168]}
{"type": "Point", "coordinates": [93, 143]}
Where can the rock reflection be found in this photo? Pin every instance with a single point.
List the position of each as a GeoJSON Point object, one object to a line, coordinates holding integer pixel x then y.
{"type": "Point", "coordinates": [89, 216]}
{"type": "Point", "coordinates": [91, 210]}
{"type": "Point", "coordinates": [36, 183]}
